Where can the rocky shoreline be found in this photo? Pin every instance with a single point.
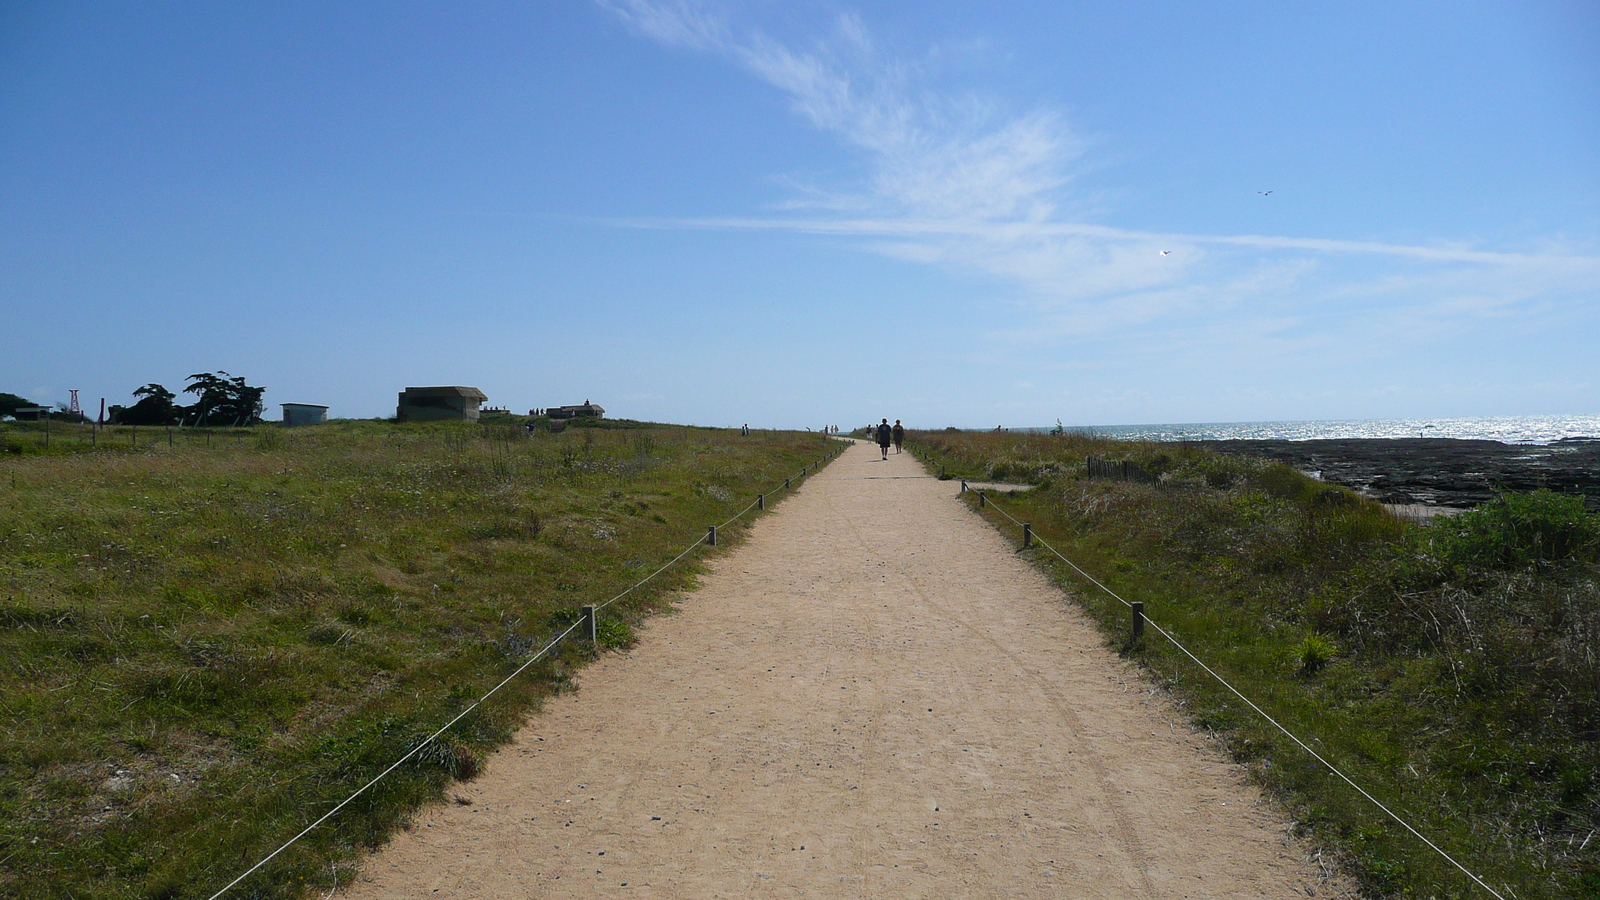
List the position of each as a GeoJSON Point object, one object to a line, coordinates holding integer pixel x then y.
{"type": "Point", "coordinates": [1437, 472]}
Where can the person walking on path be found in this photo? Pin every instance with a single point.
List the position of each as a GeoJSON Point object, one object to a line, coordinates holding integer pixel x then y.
{"type": "Point", "coordinates": [929, 666]}
{"type": "Point", "coordinates": [885, 437]}
{"type": "Point", "coordinates": [899, 433]}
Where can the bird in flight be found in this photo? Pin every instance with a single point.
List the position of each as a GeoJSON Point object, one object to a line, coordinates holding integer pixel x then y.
{"type": "Point", "coordinates": [1263, 193]}
{"type": "Point", "coordinates": [1165, 252]}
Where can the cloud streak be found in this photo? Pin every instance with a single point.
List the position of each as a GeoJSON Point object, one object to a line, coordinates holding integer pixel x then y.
{"type": "Point", "coordinates": [1004, 232]}
{"type": "Point", "coordinates": [964, 182]}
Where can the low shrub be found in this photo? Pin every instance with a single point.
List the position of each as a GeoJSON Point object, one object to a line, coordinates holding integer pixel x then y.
{"type": "Point", "coordinates": [1520, 530]}
{"type": "Point", "coordinates": [1313, 653]}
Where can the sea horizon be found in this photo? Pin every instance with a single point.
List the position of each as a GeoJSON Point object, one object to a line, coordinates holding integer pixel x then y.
{"type": "Point", "coordinates": [1505, 429]}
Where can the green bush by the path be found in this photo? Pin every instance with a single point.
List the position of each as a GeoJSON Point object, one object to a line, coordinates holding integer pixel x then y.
{"type": "Point", "coordinates": [1452, 668]}
{"type": "Point", "coordinates": [206, 645]}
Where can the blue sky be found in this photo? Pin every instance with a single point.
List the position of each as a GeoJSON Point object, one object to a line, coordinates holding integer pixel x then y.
{"type": "Point", "coordinates": [792, 214]}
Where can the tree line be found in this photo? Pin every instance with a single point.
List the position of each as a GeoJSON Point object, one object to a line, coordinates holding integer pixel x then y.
{"type": "Point", "coordinates": [220, 399]}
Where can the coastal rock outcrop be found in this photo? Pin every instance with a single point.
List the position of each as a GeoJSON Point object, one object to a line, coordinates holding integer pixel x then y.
{"type": "Point", "coordinates": [1441, 472]}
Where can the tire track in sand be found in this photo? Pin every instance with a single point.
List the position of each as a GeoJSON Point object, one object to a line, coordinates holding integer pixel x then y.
{"type": "Point", "coordinates": [1126, 832]}
{"type": "Point", "coordinates": [871, 697]}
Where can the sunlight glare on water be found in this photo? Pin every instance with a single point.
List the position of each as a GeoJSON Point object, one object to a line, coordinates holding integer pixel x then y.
{"type": "Point", "coordinates": [1506, 429]}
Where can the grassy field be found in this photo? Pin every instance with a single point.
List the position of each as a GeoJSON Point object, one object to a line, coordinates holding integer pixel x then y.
{"type": "Point", "coordinates": [210, 639]}
{"type": "Point", "coordinates": [1449, 668]}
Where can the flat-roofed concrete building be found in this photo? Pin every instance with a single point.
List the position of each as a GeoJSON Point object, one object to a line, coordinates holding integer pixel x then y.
{"type": "Point", "coordinates": [437, 404]}
{"type": "Point", "coordinates": [297, 414]}
{"type": "Point", "coordinates": [583, 410]}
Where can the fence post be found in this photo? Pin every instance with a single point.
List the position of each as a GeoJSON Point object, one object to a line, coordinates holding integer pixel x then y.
{"type": "Point", "coordinates": [1027, 535]}
{"type": "Point", "coordinates": [786, 483]}
{"type": "Point", "coordinates": [590, 629]}
{"type": "Point", "coordinates": [963, 486]}
{"type": "Point", "coordinates": [1138, 621]}
{"type": "Point", "coordinates": [712, 531]}
{"type": "Point", "coordinates": [941, 473]}
{"type": "Point", "coordinates": [982, 500]}
{"type": "Point", "coordinates": [761, 501]}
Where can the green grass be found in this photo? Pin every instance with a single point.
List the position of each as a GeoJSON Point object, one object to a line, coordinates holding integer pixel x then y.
{"type": "Point", "coordinates": [205, 645]}
{"type": "Point", "coordinates": [1448, 668]}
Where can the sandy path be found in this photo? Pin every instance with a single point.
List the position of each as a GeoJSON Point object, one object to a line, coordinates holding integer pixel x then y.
{"type": "Point", "coordinates": [873, 697]}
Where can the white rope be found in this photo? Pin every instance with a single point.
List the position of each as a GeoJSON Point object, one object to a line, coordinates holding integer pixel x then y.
{"type": "Point", "coordinates": [1263, 713]}
{"type": "Point", "coordinates": [530, 661]}
{"type": "Point", "coordinates": [631, 589]}
{"type": "Point", "coordinates": [363, 789]}
{"type": "Point", "coordinates": [1041, 542]}
{"type": "Point", "coordinates": [740, 513]}
{"type": "Point", "coordinates": [754, 503]}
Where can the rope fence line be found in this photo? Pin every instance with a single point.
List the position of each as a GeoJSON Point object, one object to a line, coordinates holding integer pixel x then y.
{"type": "Point", "coordinates": [586, 621]}
{"type": "Point", "coordinates": [686, 551]}
{"type": "Point", "coordinates": [401, 761]}
{"type": "Point", "coordinates": [1140, 618]}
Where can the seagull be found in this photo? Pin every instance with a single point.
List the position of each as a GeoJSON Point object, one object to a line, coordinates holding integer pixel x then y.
{"type": "Point", "coordinates": [1263, 193]}
{"type": "Point", "coordinates": [1165, 252]}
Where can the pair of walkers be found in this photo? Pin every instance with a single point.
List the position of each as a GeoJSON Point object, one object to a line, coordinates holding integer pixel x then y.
{"type": "Point", "coordinates": [887, 434]}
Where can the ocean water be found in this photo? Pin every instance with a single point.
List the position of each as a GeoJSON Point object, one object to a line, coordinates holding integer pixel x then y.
{"type": "Point", "coordinates": [1506, 429]}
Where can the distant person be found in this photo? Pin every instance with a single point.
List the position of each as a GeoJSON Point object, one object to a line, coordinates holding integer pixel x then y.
{"type": "Point", "coordinates": [885, 438]}
{"type": "Point", "coordinates": [899, 433]}
{"type": "Point", "coordinates": [745, 429]}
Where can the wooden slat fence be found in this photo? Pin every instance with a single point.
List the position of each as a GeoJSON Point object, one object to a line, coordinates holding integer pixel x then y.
{"type": "Point", "coordinates": [1118, 470]}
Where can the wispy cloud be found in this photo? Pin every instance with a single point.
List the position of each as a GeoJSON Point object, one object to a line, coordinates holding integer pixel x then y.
{"type": "Point", "coordinates": [971, 183]}
{"type": "Point", "coordinates": [959, 158]}
{"type": "Point", "coordinates": [1001, 231]}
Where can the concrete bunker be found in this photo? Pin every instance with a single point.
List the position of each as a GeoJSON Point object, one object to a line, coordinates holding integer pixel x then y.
{"type": "Point", "coordinates": [453, 403]}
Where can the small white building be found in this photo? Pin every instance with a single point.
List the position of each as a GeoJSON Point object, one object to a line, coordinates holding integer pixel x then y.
{"type": "Point", "coordinates": [297, 414]}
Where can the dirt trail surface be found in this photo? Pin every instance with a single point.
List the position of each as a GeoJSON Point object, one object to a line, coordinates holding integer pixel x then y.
{"type": "Point", "coordinates": [872, 697]}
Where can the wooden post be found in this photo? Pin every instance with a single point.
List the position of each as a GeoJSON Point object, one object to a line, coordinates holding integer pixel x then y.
{"type": "Point", "coordinates": [1138, 621]}
{"type": "Point", "coordinates": [712, 531]}
{"type": "Point", "coordinates": [1027, 535]}
{"type": "Point", "coordinates": [941, 474]}
{"type": "Point", "coordinates": [982, 500]}
{"type": "Point", "coordinates": [590, 629]}
{"type": "Point", "coordinates": [786, 483]}
{"type": "Point", "coordinates": [761, 501]}
{"type": "Point", "coordinates": [963, 486]}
